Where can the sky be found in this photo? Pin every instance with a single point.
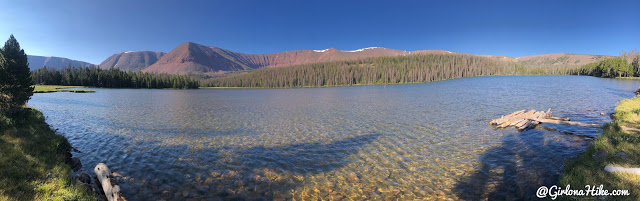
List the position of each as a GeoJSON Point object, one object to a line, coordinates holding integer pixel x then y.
{"type": "Point", "coordinates": [91, 31]}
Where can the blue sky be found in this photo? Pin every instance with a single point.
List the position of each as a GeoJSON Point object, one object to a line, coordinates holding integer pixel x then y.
{"type": "Point", "coordinates": [93, 30]}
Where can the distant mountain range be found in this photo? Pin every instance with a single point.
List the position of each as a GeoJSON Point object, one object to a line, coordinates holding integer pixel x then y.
{"type": "Point", "coordinates": [131, 61]}
{"type": "Point", "coordinates": [37, 62]}
{"type": "Point", "coordinates": [193, 58]}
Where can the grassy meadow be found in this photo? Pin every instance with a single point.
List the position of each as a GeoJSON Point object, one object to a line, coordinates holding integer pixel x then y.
{"type": "Point", "coordinates": [59, 88]}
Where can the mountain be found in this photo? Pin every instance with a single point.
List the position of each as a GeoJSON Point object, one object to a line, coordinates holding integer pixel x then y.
{"type": "Point", "coordinates": [193, 58]}
{"type": "Point", "coordinates": [131, 61]}
{"type": "Point", "coordinates": [314, 56]}
{"type": "Point", "coordinates": [190, 57]}
{"type": "Point", "coordinates": [37, 62]}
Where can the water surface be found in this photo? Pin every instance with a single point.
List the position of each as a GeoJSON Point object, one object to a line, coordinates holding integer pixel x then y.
{"type": "Point", "coordinates": [427, 140]}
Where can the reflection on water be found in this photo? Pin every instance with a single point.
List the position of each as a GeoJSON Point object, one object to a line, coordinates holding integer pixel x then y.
{"type": "Point", "coordinates": [368, 142]}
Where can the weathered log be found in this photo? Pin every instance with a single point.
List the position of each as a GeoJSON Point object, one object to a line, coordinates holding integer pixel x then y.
{"type": "Point", "coordinates": [109, 186]}
{"type": "Point", "coordinates": [613, 169]}
{"type": "Point", "coordinates": [552, 121]}
{"type": "Point", "coordinates": [524, 120]}
{"type": "Point", "coordinates": [527, 125]}
{"type": "Point", "coordinates": [559, 118]}
{"type": "Point", "coordinates": [521, 123]}
{"type": "Point", "coordinates": [503, 119]}
{"type": "Point", "coordinates": [513, 120]}
{"type": "Point", "coordinates": [548, 113]}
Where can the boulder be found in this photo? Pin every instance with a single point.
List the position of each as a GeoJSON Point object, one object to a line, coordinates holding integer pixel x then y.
{"type": "Point", "coordinates": [75, 164]}
{"type": "Point", "coordinates": [600, 154]}
{"type": "Point", "coordinates": [84, 178]}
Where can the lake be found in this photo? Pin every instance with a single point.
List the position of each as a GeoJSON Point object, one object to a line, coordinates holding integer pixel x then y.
{"type": "Point", "coordinates": [363, 142]}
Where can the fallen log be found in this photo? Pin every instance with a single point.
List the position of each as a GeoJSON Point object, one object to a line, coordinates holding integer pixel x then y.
{"type": "Point", "coordinates": [524, 120]}
{"type": "Point", "coordinates": [108, 183]}
{"type": "Point", "coordinates": [502, 119]}
{"type": "Point", "coordinates": [560, 118]}
{"type": "Point", "coordinates": [572, 123]}
{"type": "Point", "coordinates": [529, 124]}
{"type": "Point", "coordinates": [614, 169]}
{"type": "Point", "coordinates": [513, 120]}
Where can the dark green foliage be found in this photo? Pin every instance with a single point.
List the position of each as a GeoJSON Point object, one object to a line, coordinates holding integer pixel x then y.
{"type": "Point", "coordinates": [112, 78]}
{"type": "Point", "coordinates": [613, 67]}
{"type": "Point", "coordinates": [636, 66]}
{"type": "Point", "coordinates": [382, 70]}
{"type": "Point", "coordinates": [15, 79]}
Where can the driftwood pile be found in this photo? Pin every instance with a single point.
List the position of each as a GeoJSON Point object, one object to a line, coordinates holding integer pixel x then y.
{"type": "Point", "coordinates": [523, 120]}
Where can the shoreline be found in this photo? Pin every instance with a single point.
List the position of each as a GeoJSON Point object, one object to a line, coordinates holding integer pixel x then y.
{"type": "Point", "coordinates": [617, 145]}
{"type": "Point", "coordinates": [59, 88]}
{"type": "Point", "coordinates": [36, 162]}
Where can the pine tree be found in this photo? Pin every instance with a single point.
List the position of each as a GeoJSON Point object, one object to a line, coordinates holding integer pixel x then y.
{"type": "Point", "coordinates": [16, 82]}
{"type": "Point", "coordinates": [4, 98]}
{"type": "Point", "coordinates": [636, 66]}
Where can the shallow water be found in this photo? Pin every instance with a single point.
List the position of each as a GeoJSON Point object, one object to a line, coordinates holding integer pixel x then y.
{"type": "Point", "coordinates": [365, 142]}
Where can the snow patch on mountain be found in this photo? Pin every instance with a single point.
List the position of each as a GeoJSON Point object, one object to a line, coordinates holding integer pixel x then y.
{"type": "Point", "coordinates": [363, 49]}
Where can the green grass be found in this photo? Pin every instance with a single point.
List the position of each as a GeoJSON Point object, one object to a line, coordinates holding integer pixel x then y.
{"type": "Point", "coordinates": [29, 151]}
{"type": "Point", "coordinates": [628, 78]}
{"type": "Point", "coordinates": [623, 149]}
{"type": "Point", "coordinates": [58, 88]}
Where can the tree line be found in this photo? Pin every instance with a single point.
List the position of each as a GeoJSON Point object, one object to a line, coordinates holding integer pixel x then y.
{"type": "Point", "coordinates": [111, 78]}
{"type": "Point", "coordinates": [383, 70]}
{"type": "Point", "coordinates": [614, 67]}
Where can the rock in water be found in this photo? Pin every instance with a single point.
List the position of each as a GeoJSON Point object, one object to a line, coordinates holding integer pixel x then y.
{"type": "Point", "coordinates": [75, 164]}
{"type": "Point", "coordinates": [84, 178]}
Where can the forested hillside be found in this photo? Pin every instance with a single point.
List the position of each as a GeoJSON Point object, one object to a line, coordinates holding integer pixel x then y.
{"type": "Point", "coordinates": [384, 70]}
{"type": "Point", "coordinates": [112, 78]}
{"type": "Point", "coordinates": [614, 67]}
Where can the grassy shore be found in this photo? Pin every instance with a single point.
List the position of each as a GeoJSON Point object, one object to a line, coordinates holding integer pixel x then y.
{"type": "Point", "coordinates": [619, 145]}
{"type": "Point", "coordinates": [32, 161]}
{"type": "Point", "coordinates": [59, 88]}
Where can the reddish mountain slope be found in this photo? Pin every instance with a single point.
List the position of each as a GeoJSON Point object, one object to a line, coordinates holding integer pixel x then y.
{"type": "Point", "coordinates": [130, 61]}
{"type": "Point", "coordinates": [195, 58]}
{"type": "Point", "coordinates": [314, 56]}
{"type": "Point", "coordinates": [192, 58]}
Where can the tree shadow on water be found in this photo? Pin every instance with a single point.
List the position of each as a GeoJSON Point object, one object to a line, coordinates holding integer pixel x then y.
{"type": "Point", "coordinates": [519, 165]}
{"type": "Point", "coordinates": [304, 158]}
{"type": "Point", "coordinates": [265, 173]}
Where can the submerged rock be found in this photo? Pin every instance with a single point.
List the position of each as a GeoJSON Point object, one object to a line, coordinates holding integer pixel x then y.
{"type": "Point", "coordinates": [84, 178]}
{"type": "Point", "coordinates": [75, 164]}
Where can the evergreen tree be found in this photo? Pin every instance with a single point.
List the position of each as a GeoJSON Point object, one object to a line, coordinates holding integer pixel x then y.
{"type": "Point", "coordinates": [636, 66]}
{"type": "Point", "coordinates": [15, 86]}
{"type": "Point", "coordinates": [4, 98]}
